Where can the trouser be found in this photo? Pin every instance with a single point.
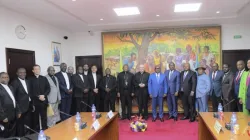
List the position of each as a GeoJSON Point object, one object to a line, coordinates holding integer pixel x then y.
{"type": "Point", "coordinates": [227, 106]}
{"type": "Point", "coordinates": [142, 99]}
{"type": "Point", "coordinates": [81, 107]}
{"type": "Point", "coordinates": [95, 99]}
{"type": "Point", "coordinates": [126, 101]}
{"type": "Point", "coordinates": [25, 119]}
{"type": "Point", "coordinates": [40, 112]}
{"type": "Point", "coordinates": [157, 101]}
{"type": "Point", "coordinates": [172, 104]}
{"type": "Point", "coordinates": [215, 102]}
{"type": "Point", "coordinates": [202, 103]}
{"type": "Point", "coordinates": [188, 103]}
{"type": "Point", "coordinates": [238, 105]}
{"type": "Point", "coordinates": [9, 129]}
{"type": "Point", "coordinates": [65, 107]}
{"type": "Point", "coordinates": [109, 102]}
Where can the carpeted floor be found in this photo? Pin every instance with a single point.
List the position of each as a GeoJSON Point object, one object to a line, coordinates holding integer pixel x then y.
{"type": "Point", "coordinates": [167, 130]}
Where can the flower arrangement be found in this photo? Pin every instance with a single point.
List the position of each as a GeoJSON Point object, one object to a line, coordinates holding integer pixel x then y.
{"type": "Point", "coordinates": [138, 125]}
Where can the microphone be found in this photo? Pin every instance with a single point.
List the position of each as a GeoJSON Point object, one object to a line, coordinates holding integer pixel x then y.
{"type": "Point", "coordinates": [98, 115]}
{"type": "Point", "coordinates": [66, 114]}
{"type": "Point", "coordinates": [11, 138]}
{"type": "Point", "coordinates": [26, 126]}
{"type": "Point", "coordinates": [216, 115]}
{"type": "Point", "coordinates": [2, 127]}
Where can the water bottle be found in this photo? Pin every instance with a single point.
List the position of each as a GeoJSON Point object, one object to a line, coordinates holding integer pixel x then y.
{"type": "Point", "coordinates": [41, 136]}
{"type": "Point", "coordinates": [220, 111]}
{"type": "Point", "coordinates": [93, 112]}
{"type": "Point", "coordinates": [233, 122]}
{"type": "Point", "coordinates": [78, 121]}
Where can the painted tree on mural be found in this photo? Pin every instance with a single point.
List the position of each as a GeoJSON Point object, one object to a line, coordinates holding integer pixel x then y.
{"type": "Point", "coordinates": [142, 40]}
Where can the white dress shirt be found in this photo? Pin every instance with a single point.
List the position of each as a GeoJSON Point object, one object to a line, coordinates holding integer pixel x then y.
{"type": "Point", "coordinates": [214, 74]}
{"type": "Point", "coordinates": [95, 79]}
{"type": "Point", "coordinates": [81, 77]}
{"type": "Point", "coordinates": [170, 74]}
{"type": "Point", "coordinates": [65, 75]}
{"type": "Point", "coordinates": [10, 94]}
{"type": "Point", "coordinates": [24, 86]}
{"type": "Point", "coordinates": [85, 72]}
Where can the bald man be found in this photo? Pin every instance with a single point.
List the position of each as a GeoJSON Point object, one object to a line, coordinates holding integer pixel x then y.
{"type": "Point", "coordinates": [141, 91]}
{"type": "Point", "coordinates": [188, 83]}
{"type": "Point", "coordinates": [241, 68]}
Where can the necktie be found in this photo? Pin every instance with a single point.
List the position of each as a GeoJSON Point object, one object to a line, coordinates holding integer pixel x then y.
{"type": "Point", "coordinates": [238, 76]}
{"type": "Point", "coordinates": [213, 75]}
{"type": "Point", "coordinates": [158, 78]}
{"type": "Point", "coordinates": [171, 72]}
{"type": "Point", "coordinates": [185, 74]}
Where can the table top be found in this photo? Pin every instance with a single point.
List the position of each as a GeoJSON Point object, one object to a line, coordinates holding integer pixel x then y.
{"type": "Point", "coordinates": [242, 120]}
{"type": "Point", "coordinates": [66, 129]}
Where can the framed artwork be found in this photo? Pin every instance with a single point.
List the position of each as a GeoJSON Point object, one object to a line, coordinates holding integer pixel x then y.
{"type": "Point", "coordinates": [199, 46]}
{"type": "Point", "coordinates": [56, 53]}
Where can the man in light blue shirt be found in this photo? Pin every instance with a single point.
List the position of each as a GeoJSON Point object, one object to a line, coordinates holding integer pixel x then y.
{"type": "Point", "coordinates": [202, 89]}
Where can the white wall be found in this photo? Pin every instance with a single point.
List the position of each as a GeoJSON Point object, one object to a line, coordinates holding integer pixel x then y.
{"type": "Point", "coordinates": [39, 38]}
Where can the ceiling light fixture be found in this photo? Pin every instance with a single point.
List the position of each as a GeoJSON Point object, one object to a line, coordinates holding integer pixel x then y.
{"type": "Point", "coordinates": [157, 15]}
{"type": "Point", "coordinates": [218, 12]}
{"type": "Point", "coordinates": [127, 11]}
{"type": "Point", "coordinates": [101, 19]}
{"type": "Point", "coordinates": [73, 0]}
{"type": "Point", "coordinates": [190, 7]}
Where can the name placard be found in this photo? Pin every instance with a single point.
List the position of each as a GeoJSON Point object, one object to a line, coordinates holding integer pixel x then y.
{"type": "Point", "coordinates": [217, 127]}
{"type": "Point", "coordinates": [110, 114]}
{"type": "Point", "coordinates": [96, 125]}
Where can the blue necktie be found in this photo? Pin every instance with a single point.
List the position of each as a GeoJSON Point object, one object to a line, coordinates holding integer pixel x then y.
{"type": "Point", "coordinates": [158, 78]}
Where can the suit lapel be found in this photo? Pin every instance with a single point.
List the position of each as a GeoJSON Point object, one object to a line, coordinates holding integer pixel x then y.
{"type": "Point", "coordinates": [22, 85]}
{"type": "Point", "coordinates": [6, 93]}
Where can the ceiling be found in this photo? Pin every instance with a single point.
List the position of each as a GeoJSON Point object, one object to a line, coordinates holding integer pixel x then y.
{"type": "Point", "coordinates": [85, 15]}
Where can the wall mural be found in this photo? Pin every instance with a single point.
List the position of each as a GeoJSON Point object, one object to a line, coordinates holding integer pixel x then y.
{"type": "Point", "coordinates": [196, 45]}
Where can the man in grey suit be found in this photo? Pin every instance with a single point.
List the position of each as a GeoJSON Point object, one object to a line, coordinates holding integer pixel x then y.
{"type": "Point", "coordinates": [227, 88]}
{"type": "Point", "coordinates": [54, 98]}
{"type": "Point", "coordinates": [216, 79]}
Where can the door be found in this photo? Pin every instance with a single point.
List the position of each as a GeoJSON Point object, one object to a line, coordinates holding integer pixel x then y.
{"type": "Point", "coordinates": [19, 58]}
{"type": "Point", "coordinates": [90, 60]}
{"type": "Point", "coordinates": [232, 56]}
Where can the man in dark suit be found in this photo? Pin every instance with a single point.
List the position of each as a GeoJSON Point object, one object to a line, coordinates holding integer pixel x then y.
{"type": "Point", "coordinates": [40, 89]}
{"type": "Point", "coordinates": [80, 90]}
{"type": "Point", "coordinates": [65, 85]}
{"type": "Point", "coordinates": [21, 87]}
{"type": "Point", "coordinates": [241, 68]}
{"type": "Point", "coordinates": [173, 82]}
{"type": "Point", "coordinates": [108, 88]}
{"type": "Point", "coordinates": [9, 108]}
{"type": "Point", "coordinates": [125, 85]}
{"type": "Point", "coordinates": [94, 94]}
{"type": "Point", "coordinates": [216, 80]}
{"type": "Point", "coordinates": [188, 83]}
{"type": "Point", "coordinates": [141, 91]}
{"type": "Point", "coordinates": [228, 88]}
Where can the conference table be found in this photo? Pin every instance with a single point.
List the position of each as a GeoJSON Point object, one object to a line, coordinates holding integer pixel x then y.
{"type": "Point", "coordinates": [65, 130]}
{"type": "Point", "coordinates": [207, 131]}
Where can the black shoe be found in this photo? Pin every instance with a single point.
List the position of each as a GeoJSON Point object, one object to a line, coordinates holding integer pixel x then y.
{"type": "Point", "coordinates": [184, 118]}
{"type": "Point", "coordinates": [170, 117]}
{"type": "Point", "coordinates": [175, 118]}
{"type": "Point", "coordinates": [153, 120]}
{"type": "Point", "coordinates": [145, 118]}
{"type": "Point", "coordinates": [129, 118]}
{"type": "Point", "coordinates": [192, 120]}
{"type": "Point", "coordinates": [122, 118]}
{"type": "Point", "coordinates": [162, 120]}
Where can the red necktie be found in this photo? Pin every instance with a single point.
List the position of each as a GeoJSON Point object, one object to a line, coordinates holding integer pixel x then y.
{"type": "Point", "coordinates": [238, 76]}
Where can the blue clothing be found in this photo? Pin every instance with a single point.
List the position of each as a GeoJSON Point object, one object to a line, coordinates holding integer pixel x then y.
{"type": "Point", "coordinates": [173, 85]}
{"type": "Point", "coordinates": [157, 87]}
{"type": "Point", "coordinates": [202, 103]}
{"type": "Point", "coordinates": [216, 83]}
{"type": "Point", "coordinates": [203, 87]}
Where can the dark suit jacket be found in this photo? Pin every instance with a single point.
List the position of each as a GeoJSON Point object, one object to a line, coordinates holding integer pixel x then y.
{"type": "Point", "coordinates": [7, 109]}
{"type": "Point", "coordinates": [111, 84]}
{"type": "Point", "coordinates": [80, 86]}
{"type": "Point", "coordinates": [121, 82]}
{"type": "Point", "coordinates": [91, 81]}
{"type": "Point", "coordinates": [63, 85]}
{"type": "Point", "coordinates": [141, 78]}
{"type": "Point", "coordinates": [216, 83]}
{"type": "Point", "coordinates": [44, 89]}
{"type": "Point", "coordinates": [22, 97]}
{"type": "Point", "coordinates": [227, 86]}
{"type": "Point", "coordinates": [189, 84]}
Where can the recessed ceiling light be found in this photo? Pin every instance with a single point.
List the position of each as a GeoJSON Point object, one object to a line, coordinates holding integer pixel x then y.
{"type": "Point", "coordinates": [101, 19]}
{"type": "Point", "coordinates": [73, 0]}
{"type": "Point", "coordinates": [127, 11]}
{"type": "Point", "coordinates": [157, 15]}
{"type": "Point", "coordinates": [191, 7]}
{"type": "Point", "coordinates": [218, 12]}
